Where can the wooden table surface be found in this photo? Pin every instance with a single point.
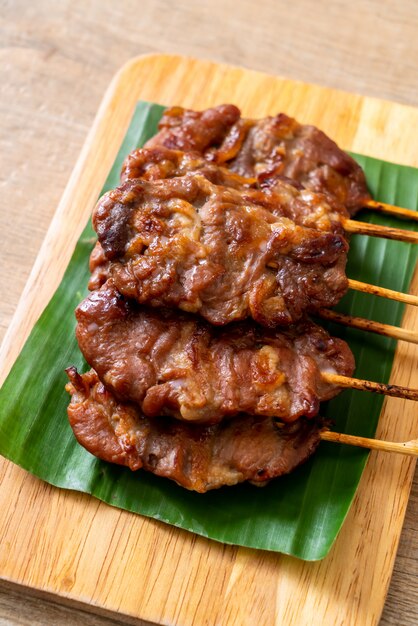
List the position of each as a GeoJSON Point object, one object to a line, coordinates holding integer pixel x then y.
{"type": "Point", "coordinates": [56, 62]}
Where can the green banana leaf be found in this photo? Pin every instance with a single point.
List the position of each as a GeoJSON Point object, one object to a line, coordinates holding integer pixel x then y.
{"type": "Point", "coordinates": [299, 514]}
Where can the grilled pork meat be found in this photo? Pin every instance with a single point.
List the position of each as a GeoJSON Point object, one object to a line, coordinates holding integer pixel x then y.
{"type": "Point", "coordinates": [160, 163]}
{"type": "Point", "coordinates": [196, 457]}
{"type": "Point", "coordinates": [281, 196]}
{"type": "Point", "coordinates": [170, 363]}
{"type": "Point", "coordinates": [196, 131]}
{"type": "Point", "coordinates": [205, 248]}
{"type": "Point", "coordinates": [99, 267]}
{"type": "Point", "coordinates": [266, 148]}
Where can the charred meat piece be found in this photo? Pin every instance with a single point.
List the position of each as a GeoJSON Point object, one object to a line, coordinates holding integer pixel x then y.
{"type": "Point", "coordinates": [170, 363]}
{"type": "Point", "coordinates": [204, 248]}
{"type": "Point", "coordinates": [196, 457]}
{"type": "Point", "coordinates": [281, 196]}
{"type": "Point", "coordinates": [268, 148]}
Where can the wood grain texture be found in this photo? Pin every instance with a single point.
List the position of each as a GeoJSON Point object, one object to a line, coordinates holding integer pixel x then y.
{"type": "Point", "coordinates": [67, 543]}
{"type": "Point", "coordinates": [57, 59]}
{"type": "Point", "coordinates": [45, 611]}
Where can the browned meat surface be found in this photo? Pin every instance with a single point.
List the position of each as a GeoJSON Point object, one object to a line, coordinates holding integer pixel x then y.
{"type": "Point", "coordinates": [196, 457]}
{"type": "Point", "coordinates": [284, 198]}
{"type": "Point", "coordinates": [267, 148]}
{"type": "Point", "coordinates": [186, 130]}
{"type": "Point", "coordinates": [99, 268]}
{"type": "Point", "coordinates": [204, 248]}
{"type": "Point", "coordinates": [159, 163]}
{"type": "Point", "coordinates": [281, 196]}
{"type": "Point", "coordinates": [174, 364]}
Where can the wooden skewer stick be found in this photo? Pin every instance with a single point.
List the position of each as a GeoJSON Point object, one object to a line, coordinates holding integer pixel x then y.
{"type": "Point", "coordinates": [375, 327]}
{"type": "Point", "coordinates": [387, 232]}
{"type": "Point", "coordinates": [407, 447]}
{"type": "Point", "coordinates": [368, 385]}
{"type": "Point", "coordinates": [390, 209]}
{"type": "Point", "coordinates": [383, 292]}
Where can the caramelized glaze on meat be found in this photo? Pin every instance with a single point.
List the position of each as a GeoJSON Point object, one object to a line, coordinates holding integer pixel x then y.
{"type": "Point", "coordinates": [186, 130]}
{"type": "Point", "coordinates": [281, 196]}
{"type": "Point", "coordinates": [267, 148]}
{"type": "Point", "coordinates": [160, 163]}
{"type": "Point", "coordinates": [194, 456]}
{"type": "Point", "coordinates": [204, 248]}
{"type": "Point", "coordinates": [175, 364]}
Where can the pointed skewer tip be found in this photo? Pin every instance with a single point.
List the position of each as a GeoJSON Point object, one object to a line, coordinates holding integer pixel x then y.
{"type": "Point", "coordinates": [409, 448]}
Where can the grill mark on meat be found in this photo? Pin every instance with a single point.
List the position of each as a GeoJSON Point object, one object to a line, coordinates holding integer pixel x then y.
{"type": "Point", "coordinates": [196, 457]}
{"type": "Point", "coordinates": [175, 364]}
{"type": "Point", "coordinates": [205, 248]}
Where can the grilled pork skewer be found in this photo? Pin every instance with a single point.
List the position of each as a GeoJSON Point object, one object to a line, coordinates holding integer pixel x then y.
{"type": "Point", "coordinates": [188, 243]}
{"type": "Point", "coordinates": [170, 363]}
{"type": "Point", "coordinates": [197, 457]}
{"type": "Point", "coordinates": [271, 147]}
{"type": "Point", "coordinates": [282, 196]}
{"type": "Point", "coordinates": [99, 266]}
{"type": "Point", "coordinates": [265, 149]}
{"type": "Point", "coordinates": [175, 364]}
{"type": "Point", "coordinates": [308, 209]}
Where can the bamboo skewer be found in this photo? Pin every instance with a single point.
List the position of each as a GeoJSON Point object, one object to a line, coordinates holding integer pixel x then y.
{"type": "Point", "coordinates": [383, 292]}
{"type": "Point", "coordinates": [375, 327]}
{"type": "Point", "coordinates": [406, 447]}
{"type": "Point", "coordinates": [390, 209]}
{"type": "Point", "coordinates": [387, 232]}
{"type": "Point", "coordinates": [367, 385]}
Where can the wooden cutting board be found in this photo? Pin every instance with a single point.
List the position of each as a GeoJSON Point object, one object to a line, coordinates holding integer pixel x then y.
{"type": "Point", "coordinates": [81, 550]}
